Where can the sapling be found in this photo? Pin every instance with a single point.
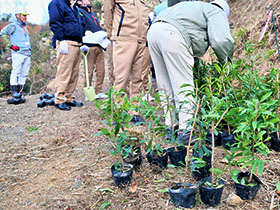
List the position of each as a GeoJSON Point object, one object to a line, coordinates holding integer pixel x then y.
{"type": "Point", "coordinates": [190, 138]}
{"type": "Point", "coordinates": [118, 121]}
{"type": "Point", "coordinates": [254, 118]}
{"type": "Point", "coordinates": [216, 106]}
{"type": "Point", "coordinates": [169, 109]}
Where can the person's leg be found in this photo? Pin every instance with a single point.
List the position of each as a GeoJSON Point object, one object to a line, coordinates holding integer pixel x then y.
{"type": "Point", "coordinates": [74, 52]}
{"type": "Point", "coordinates": [179, 61]}
{"type": "Point", "coordinates": [146, 68]}
{"type": "Point", "coordinates": [24, 72]}
{"type": "Point", "coordinates": [110, 65]}
{"type": "Point", "coordinates": [123, 57]}
{"type": "Point", "coordinates": [17, 64]}
{"type": "Point", "coordinates": [65, 63]}
{"type": "Point", "coordinates": [100, 69]}
{"type": "Point", "coordinates": [137, 70]}
{"type": "Point", "coordinates": [156, 38]}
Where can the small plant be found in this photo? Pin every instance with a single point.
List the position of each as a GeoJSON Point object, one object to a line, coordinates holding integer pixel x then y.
{"type": "Point", "coordinates": [255, 119]}
{"type": "Point", "coordinates": [117, 119]}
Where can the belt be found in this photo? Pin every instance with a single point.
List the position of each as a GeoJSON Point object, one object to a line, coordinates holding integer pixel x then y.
{"type": "Point", "coordinates": [161, 21]}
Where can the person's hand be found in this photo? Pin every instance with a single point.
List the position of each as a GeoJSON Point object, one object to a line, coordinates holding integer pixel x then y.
{"type": "Point", "coordinates": [84, 49]}
{"type": "Point", "coordinates": [15, 48]}
{"type": "Point", "coordinates": [63, 47]}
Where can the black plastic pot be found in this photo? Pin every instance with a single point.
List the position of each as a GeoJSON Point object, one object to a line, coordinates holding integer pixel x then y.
{"type": "Point", "coordinates": [247, 192]}
{"type": "Point", "coordinates": [199, 173]}
{"type": "Point", "coordinates": [210, 196]}
{"type": "Point", "coordinates": [228, 141]}
{"type": "Point", "coordinates": [205, 157]}
{"type": "Point", "coordinates": [183, 197]}
{"type": "Point", "coordinates": [122, 178]}
{"type": "Point", "coordinates": [217, 139]}
{"type": "Point", "coordinates": [136, 160]}
{"type": "Point", "coordinates": [160, 161]}
{"type": "Point", "coordinates": [275, 142]}
{"type": "Point", "coordinates": [177, 156]}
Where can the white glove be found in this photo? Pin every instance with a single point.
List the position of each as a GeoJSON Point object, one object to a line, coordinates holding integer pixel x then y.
{"type": "Point", "coordinates": [84, 49]}
{"type": "Point", "coordinates": [63, 47]}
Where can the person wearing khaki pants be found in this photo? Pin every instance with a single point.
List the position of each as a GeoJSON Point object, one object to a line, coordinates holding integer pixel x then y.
{"type": "Point", "coordinates": [96, 58]}
{"type": "Point", "coordinates": [67, 25]}
{"type": "Point", "coordinates": [67, 72]}
{"type": "Point", "coordinates": [126, 23]}
{"type": "Point", "coordinates": [96, 54]}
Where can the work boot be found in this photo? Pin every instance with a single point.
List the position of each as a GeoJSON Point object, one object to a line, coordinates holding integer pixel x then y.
{"type": "Point", "coordinates": [13, 89]}
{"type": "Point", "coordinates": [22, 100]}
{"type": "Point", "coordinates": [14, 101]}
{"type": "Point", "coordinates": [50, 102]}
{"type": "Point", "coordinates": [43, 96]}
{"type": "Point", "coordinates": [42, 103]}
{"type": "Point", "coordinates": [74, 104]}
{"type": "Point", "coordinates": [63, 107]}
{"type": "Point", "coordinates": [17, 95]}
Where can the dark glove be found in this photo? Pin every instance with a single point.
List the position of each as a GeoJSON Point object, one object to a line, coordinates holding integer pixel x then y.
{"type": "Point", "coordinates": [14, 48]}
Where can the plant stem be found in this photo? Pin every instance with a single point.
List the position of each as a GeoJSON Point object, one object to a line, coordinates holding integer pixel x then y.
{"type": "Point", "coordinates": [171, 119]}
{"type": "Point", "coordinates": [225, 93]}
{"type": "Point", "coordinates": [189, 144]}
{"type": "Point", "coordinates": [253, 142]}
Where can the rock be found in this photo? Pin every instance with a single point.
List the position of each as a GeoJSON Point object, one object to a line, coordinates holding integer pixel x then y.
{"type": "Point", "coordinates": [234, 200]}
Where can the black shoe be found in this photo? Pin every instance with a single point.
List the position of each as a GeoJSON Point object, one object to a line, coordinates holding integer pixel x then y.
{"type": "Point", "coordinates": [17, 95]}
{"type": "Point", "coordinates": [50, 96]}
{"type": "Point", "coordinates": [137, 119]}
{"type": "Point", "coordinates": [183, 138]}
{"type": "Point", "coordinates": [63, 107]}
{"type": "Point", "coordinates": [50, 102]}
{"type": "Point", "coordinates": [42, 103]}
{"type": "Point", "coordinates": [43, 96]}
{"type": "Point", "coordinates": [22, 100]}
{"type": "Point", "coordinates": [13, 101]}
{"type": "Point", "coordinates": [74, 104]}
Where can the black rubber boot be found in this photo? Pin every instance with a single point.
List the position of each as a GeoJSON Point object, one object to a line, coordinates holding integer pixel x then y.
{"type": "Point", "coordinates": [13, 89]}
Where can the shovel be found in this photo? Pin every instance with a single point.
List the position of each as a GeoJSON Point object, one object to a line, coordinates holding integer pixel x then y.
{"type": "Point", "coordinates": [88, 90]}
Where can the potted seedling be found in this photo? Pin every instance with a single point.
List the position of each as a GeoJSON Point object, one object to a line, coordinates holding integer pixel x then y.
{"type": "Point", "coordinates": [132, 150]}
{"type": "Point", "coordinates": [183, 194]}
{"type": "Point", "coordinates": [157, 157]}
{"type": "Point", "coordinates": [117, 121]}
{"type": "Point", "coordinates": [274, 84]}
{"type": "Point", "coordinates": [255, 119]}
{"type": "Point", "coordinates": [211, 188]}
{"type": "Point", "coordinates": [176, 153]}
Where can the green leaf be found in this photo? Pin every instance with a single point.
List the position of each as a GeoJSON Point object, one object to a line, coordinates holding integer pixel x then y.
{"type": "Point", "coordinates": [278, 186]}
{"type": "Point", "coordinates": [159, 180]}
{"type": "Point", "coordinates": [266, 96]}
{"type": "Point", "coordinates": [104, 205]}
{"type": "Point", "coordinates": [106, 190]}
{"type": "Point", "coordinates": [164, 190]}
{"type": "Point", "coordinates": [260, 167]}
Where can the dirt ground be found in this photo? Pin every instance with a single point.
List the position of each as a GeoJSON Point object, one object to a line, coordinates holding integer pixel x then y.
{"type": "Point", "coordinates": [50, 159]}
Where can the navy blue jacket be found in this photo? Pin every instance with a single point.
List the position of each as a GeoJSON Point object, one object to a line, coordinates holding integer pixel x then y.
{"type": "Point", "coordinates": [91, 21]}
{"type": "Point", "coordinates": [66, 23]}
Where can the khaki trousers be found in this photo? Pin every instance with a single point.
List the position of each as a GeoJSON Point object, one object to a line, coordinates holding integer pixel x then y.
{"type": "Point", "coordinates": [96, 58]}
{"type": "Point", "coordinates": [110, 64]}
{"type": "Point", "coordinates": [67, 72]}
{"type": "Point", "coordinates": [146, 69]}
{"type": "Point", "coordinates": [128, 64]}
{"type": "Point", "coordinates": [173, 61]}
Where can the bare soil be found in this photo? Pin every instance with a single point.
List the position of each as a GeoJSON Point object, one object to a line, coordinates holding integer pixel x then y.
{"type": "Point", "coordinates": [50, 159]}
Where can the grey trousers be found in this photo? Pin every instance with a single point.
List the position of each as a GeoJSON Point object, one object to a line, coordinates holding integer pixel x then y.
{"type": "Point", "coordinates": [173, 61]}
